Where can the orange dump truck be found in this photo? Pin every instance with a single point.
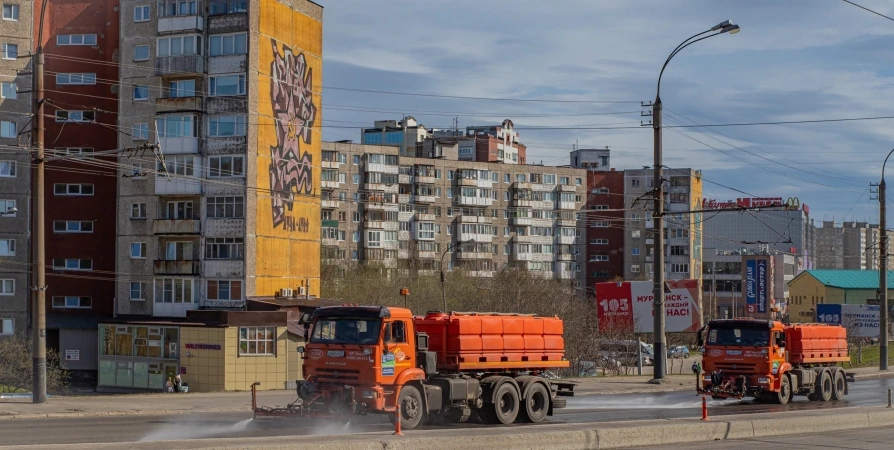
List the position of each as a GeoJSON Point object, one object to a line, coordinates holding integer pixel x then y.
{"type": "Point", "coordinates": [438, 367]}
{"type": "Point", "coordinates": [769, 360]}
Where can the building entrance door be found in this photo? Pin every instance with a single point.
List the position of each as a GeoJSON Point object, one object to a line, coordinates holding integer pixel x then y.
{"type": "Point", "coordinates": [171, 371]}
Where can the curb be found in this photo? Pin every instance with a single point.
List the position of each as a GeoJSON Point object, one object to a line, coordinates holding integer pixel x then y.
{"type": "Point", "coordinates": [152, 412]}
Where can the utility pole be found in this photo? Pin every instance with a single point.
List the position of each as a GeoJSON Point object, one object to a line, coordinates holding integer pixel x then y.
{"type": "Point", "coordinates": [39, 320]}
{"type": "Point", "coordinates": [658, 224]}
{"type": "Point", "coordinates": [882, 279]}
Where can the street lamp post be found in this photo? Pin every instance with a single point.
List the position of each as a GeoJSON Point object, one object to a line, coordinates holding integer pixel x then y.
{"type": "Point", "coordinates": [12, 210]}
{"type": "Point", "coordinates": [660, 368]}
{"type": "Point", "coordinates": [883, 273]}
{"type": "Point", "coordinates": [443, 278]}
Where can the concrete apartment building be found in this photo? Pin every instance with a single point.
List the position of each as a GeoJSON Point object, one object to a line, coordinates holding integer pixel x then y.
{"type": "Point", "coordinates": [406, 133]}
{"type": "Point", "coordinates": [603, 216]}
{"type": "Point", "coordinates": [15, 165]}
{"type": "Point", "coordinates": [408, 213]}
{"type": "Point", "coordinates": [683, 230]}
{"type": "Point", "coordinates": [848, 246]}
{"type": "Point", "coordinates": [210, 221]}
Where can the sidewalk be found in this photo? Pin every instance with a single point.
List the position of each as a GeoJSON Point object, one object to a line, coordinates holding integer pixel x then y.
{"type": "Point", "coordinates": [197, 403]}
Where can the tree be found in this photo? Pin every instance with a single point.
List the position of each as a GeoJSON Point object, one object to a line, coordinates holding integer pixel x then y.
{"type": "Point", "coordinates": [16, 367]}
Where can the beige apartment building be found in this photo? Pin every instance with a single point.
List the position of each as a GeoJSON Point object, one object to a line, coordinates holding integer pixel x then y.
{"type": "Point", "coordinates": [410, 213]}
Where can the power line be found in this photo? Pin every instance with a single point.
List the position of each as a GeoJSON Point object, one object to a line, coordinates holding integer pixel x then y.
{"type": "Point", "coordinates": [461, 97]}
{"type": "Point", "coordinates": [867, 9]}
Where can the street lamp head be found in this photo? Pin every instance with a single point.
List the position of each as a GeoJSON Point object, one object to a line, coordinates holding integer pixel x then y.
{"type": "Point", "coordinates": [12, 210]}
{"type": "Point", "coordinates": [731, 29]}
{"type": "Point", "coordinates": [721, 25]}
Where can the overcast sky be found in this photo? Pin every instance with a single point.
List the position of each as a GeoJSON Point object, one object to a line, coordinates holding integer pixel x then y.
{"type": "Point", "coordinates": [793, 60]}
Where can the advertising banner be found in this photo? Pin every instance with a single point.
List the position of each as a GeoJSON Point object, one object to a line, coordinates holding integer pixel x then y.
{"type": "Point", "coordinates": [860, 320]}
{"type": "Point", "coordinates": [628, 306]}
{"type": "Point", "coordinates": [762, 286]}
{"type": "Point", "coordinates": [750, 284]}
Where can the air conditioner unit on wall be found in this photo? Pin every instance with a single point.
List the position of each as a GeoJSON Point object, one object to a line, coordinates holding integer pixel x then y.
{"type": "Point", "coordinates": [302, 290]}
{"type": "Point", "coordinates": [285, 292]}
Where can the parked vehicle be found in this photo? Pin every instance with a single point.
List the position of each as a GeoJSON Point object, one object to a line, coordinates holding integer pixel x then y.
{"type": "Point", "coordinates": [680, 351]}
{"type": "Point", "coordinates": [437, 368]}
{"type": "Point", "coordinates": [768, 360]}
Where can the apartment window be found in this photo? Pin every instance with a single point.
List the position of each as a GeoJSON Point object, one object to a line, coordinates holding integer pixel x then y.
{"type": "Point", "coordinates": [72, 189]}
{"type": "Point", "coordinates": [679, 250]}
{"type": "Point", "coordinates": [7, 129]}
{"type": "Point", "coordinates": [76, 39]}
{"type": "Point", "coordinates": [174, 290]}
{"type": "Point", "coordinates": [355, 236]}
{"type": "Point", "coordinates": [78, 152]}
{"type": "Point", "coordinates": [141, 13]}
{"type": "Point", "coordinates": [72, 226]}
{"type": "Point", "coordinates": [182, 88]}
{"type": "Point", "coordinates": [179, 45]}
{"type": "Point", "coordinates": [183, 165]}
{"type": "Point", "coordinates": [227, 85]}
{"type": "Point", "coordinates": [71, 301]}
{"type": "Point", "coordinates": [7, 169]}
{"type": "Point", "coordinates": [599, 258]}
{"type": "Point", "coordinates": [7, 286]}
{"type": "Point", "coordinates": [138, 211]}
{"type": "Point", "coordinates": [227, 166]}
{"type": "Point", "coordinates": [181, 210]}
{"type": "Point", "coordinates": [679, 268]}
{"type": "Point", "coordinates": [227, 44]}
{"type": "Point", "coordinates": [136, 291]}
{"type": "Point", "coordinates": [634, 182]}
{"type": "Point", "coordinates": [355, 178]}
{"type": "Point", "coordinates": [222, 126]}
{"type": "Point", "coordinates": [141, 93]}
{"type": "Point", "coordinates": [75, 78]}
{"type": "Point", "coordinates": [8, 91]}
{"type": "Point", "coordinates": [179, 251]}
{"type": "Point", "coordinates": [138, 250]}
{"type": "Point", "coordinates": [425, 230]}
{"type": "Point", "coordinates": [224, 248]}
{"type": "Point", "coordinates": [257, 341]}
{"type": "Point", "coordinates": [140, 131]}
{"type": "Point", "coordinates": [599, 241]}
{"type": "Point", "coordinates": [141, 53]}
{"type": "Point", "coordinates": [7, 247]}
{"type": "Point", "coordinates": [228, 6]}
{"type": "Point", "coordinates": [225, 208]}
{"type": "Point", "coordinates": [634, 268]}
{"type": "Point", "coordinates": [72, 264]}
{"type": "Point", "coordinates": [634, 251]}
{"type": "Point", "coordinates": [10, 51]}
{"type": "Point", "coordinates": [7, 327]}
{"type": "Point", "coordinates": [180, 7]}
{"type": "Point", "coordinates": [635, 234]}
{"type": "Point", "coordinates": [600, 224]}
{"type": "Point", "coordinates": [224, 290]}
{"type": "Point", "coordinates": [7, 205]}
{"type": "Point", "coordinates": [10, 12]}
{"type": "Point", "coordinates": [171, 126]}
{"type": "Point", "coordinates": [75, 116]}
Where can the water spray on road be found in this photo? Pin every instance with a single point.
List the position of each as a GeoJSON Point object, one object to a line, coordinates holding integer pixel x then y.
{"type": "Point", "coordinates": [194, 430]}
{"type": "Point", "coordinates": [644, 401]}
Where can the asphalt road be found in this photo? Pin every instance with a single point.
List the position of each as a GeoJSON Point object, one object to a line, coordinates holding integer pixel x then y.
{"type": "Point", "coordinates": [865, 439]}
{"type": "Point", "coordinates": [590, 409]}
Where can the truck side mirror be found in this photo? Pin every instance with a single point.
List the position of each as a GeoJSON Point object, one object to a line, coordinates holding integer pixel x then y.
{"type": "Point", "coordinates": [699, 337]}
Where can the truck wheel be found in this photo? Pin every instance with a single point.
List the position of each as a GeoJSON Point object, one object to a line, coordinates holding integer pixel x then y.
{"type": "Point", "coordinates": [536, 404]}
{"type": "Point", "coordinates": [410, 401]}
{"type": "Point", "coordinates": [822, 391]}
{"type": "Point", "coordinates": [505, 407]}
{"type": "Point", "coordinates": [785, 391]}
{"type": "Point", "coordinates": [839, 386]}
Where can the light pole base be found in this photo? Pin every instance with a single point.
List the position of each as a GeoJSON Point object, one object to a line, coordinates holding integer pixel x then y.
{"type": "Point", "coordinates": [658, 381]}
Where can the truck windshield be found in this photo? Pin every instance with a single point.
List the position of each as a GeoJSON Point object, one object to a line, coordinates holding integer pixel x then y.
{"type": "Point", "coordinates": [346, 330]}
{"type": "Point", "coordinates": [739, 336]}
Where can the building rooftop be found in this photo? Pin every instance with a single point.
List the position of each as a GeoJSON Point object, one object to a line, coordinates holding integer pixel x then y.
{"type": "Point", "coordinates": [848, 279]}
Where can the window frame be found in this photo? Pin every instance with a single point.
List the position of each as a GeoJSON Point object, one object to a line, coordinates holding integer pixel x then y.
{"type": "Point", "coordinates": [68, 189]}
{"type": "Point", "coordinates": [68, 113]}
{"type": "Point", "coordinates": [65, 304]}
{"type": "Point", "coordinates": [5, 51]}
{"type": "Point", "coordinates": [10, 247]}
{"type": "Point", "coordinates": [148, 52]}
{"type": "Point", "coordinates": [11, 172]}
{"type": "Point", "coordinates": [141, 292]}
{"type": "Point", "coordinates": [240, 125]}
{"type": "Point", "coordinates": [221, 42]}
{"type": "Point", "coordinates": [83, 38]}
{"type": "Point", "coordinates": [14, 12]}
{"type": "Point", "coordinates": [213, 85]}
{"type": "Point", "coordinates": [137, 89]}
{"type": "Point", "coordinates": [159, 46]}
{"type": "Point", "coordinates": [15, 90]}
{"type": "Point", "coordinates": [66, 223]}
{"type": "Point", "coordinates": [139, 207]}
{"type": "Point", "coordinates": [146, 13]}
{"type": "Point", "coordinates": [4, 282]}
{"type": "Point", "coordinates": [140, 131]}
{"type": "Point", "coordinates": [75, 79]}
{"type": "Point", "coordinates": [141, 250]}
{"type": "Point", "coordinates": [219, 172]}
{"type": "Point", "coordinates": [244, 336]}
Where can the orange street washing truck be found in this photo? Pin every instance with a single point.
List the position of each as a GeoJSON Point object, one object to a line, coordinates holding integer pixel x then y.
{"type": "Point", "coordinates": [438, 367]}
{"type": "Point", "coordinates": [771, 361]}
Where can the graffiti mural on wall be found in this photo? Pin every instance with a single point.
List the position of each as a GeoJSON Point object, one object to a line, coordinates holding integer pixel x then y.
{"type": "Point", "coordinates": [291, 93]}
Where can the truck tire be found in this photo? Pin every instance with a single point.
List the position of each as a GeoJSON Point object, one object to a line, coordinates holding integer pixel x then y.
{"type": "Point", "coordinates": [785, 391]}
{"type": "Point", "coordinates": [822, 390]}
{"type": "Point", "coordinates": [504, 409]}
{"type": "Point", "coordinates": [411, 407]}
{"type": "Point", "coordinates": [535, 404]}
{"type": "Point", "coordinates": [839, 385]}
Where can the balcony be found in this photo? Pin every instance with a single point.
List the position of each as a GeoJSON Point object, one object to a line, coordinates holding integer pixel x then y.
{"type": "Point", "coordinates": [566, 240]}
{"type": "Point", "coordinates": [403, 199]}
{"type": "Point", "coordinates": [567, 205]}
{"type": "Point", "coordinates": [522, 203]}
{"type": "Point", "coordinates": [330, 204]}
{"type": "Point", "coordinates": [180, 24]}
{"type": "Point", "coordinates": [420, 217]}
{"type": "Point", "coordinates": [329, 184]}
{"type": "Point", "coordinates": [521, 221]}
{"type": "Point", "coordinates": [476, 237]}
{"type": "Point", "coordinates": [178, 104]}
{"type": "Point", "coordinates": [176, 226]}
{"type": "Point", "coordinates": [566, 223]}
{"type": "Point", "coordinates": [404, 179]}
{"type": "Point", "coordinates": [424, 199]}
{"type": "Point", "coordinates": [329, 242]}
{"type": "Point", "coordinates": [566, 188]}
{"type": "Point", "coordinates": [427, 255]}
{"type": "Point", "coordinates": [330, 164]}
{"type": "Point", "coordinates": [227, 104]}
{"type": "Point", "coordinates": [176, 267]}
{"type": "Point", "coordinates": [386, 188]}
{"type": "Point", "coordinates": [381, 225]}
{"type": "Point", "coordinates": [474, 201]}
{"type": "Point", "coordinates": [470, 182]}
{"type": "Point", "coordinates": [523, 239]}
{"type": "Point", "coordinates": [421, 179]}
{"type": "Point", "coordinates": [564, 257]}
{"type": "Point", "coordinates": [179, 65]}
{"type": "Point", "coordinates": [522, 256]}
{"type": "Point", "coordinates": [474, 255]}
{"type": "Point", "coordinates": [179, 145]}
{"type": "Point", "coordinates": [174, 185]}
{"type": "Point", "coordinates": [227, 64]}
{"type": "Point", "coordinates": [473, 219]}
{"type": "Point", "coordinates": [521, 186]}
{"type": "Point", "coordinates": [223, 18]}
{"type": "Point", "coordinates": [223, 268]}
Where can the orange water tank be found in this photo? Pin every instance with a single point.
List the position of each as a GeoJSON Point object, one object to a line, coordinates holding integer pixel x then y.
{"type": "Point", "coordinates": [488, 341]}
{"type": "Point", "coordinates": [813, 343]}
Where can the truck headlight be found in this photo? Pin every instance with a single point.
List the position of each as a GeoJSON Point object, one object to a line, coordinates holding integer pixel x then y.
{"type": "Point", "coordinates": [763, 380]}
{"type": "Point", "coordinates": [370, 394]}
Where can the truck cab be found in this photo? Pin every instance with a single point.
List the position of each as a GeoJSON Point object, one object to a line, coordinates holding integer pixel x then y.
{"type": "Point", "coordinates": [742, 357]}
{"type": "Point", "coordinates": [358, 357]}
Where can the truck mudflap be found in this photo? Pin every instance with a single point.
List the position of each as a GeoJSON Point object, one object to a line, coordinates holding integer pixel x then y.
{"type": "Point", "coordinates": [725, 386]}
{"type": "Point", "coordinates": [334, 402]}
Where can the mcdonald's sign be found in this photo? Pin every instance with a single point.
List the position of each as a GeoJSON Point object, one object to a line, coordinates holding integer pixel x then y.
{"type": "Point", "coordinates": [793, 203]}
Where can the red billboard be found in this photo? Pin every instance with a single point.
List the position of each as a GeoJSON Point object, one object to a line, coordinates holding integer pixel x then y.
{"type": "Point", "coordinates": [627, 306]}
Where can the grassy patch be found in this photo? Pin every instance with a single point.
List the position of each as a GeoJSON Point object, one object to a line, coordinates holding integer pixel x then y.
{"type": "Point", "coordinates": [870, 357]}
{"type": "Point", "coordinates": [4, 389]}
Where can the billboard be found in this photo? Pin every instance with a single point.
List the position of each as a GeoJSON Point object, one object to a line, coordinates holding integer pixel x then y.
{"type": "Point", "coordinates": [762, 286]}
{"type": "Point", "coordinates": [287, 198]}
{"type": "Point", "coordinates": [750, 284]}
{"type": "Point", "coordinates": [628, 306]}
{"type": "Point", "coordinates": [860, 320]}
